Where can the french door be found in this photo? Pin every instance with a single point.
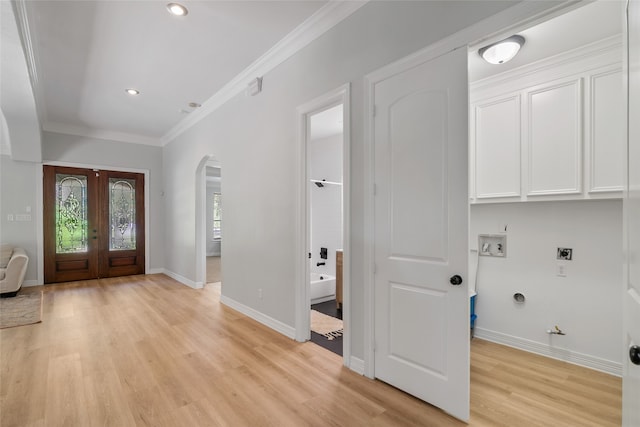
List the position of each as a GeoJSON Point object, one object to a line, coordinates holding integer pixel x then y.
{"type": "Point", "coordinates": [93, 224]}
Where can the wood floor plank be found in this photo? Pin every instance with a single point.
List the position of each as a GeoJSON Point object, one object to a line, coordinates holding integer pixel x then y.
{"type": "Point", "coordinates": [148, 351]}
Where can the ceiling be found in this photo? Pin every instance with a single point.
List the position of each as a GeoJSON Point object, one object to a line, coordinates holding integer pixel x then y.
{"type": "Point", "coordinates": [88, 52]}
{"type": "Point", "coordinates": [579, 27]}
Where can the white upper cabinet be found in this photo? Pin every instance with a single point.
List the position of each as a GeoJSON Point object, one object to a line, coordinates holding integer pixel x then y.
{"type": "Point", "coordinates": [555, 138]}
{"type": "Point", "coordinates": [497, 148]}
{"type": "Point", "coordinates": [552, 130]}
{"type": "Point", "coordinates": [606, 132]}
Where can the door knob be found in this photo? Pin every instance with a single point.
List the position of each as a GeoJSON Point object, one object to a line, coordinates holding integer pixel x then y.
{"type": "Point", "coordinates": [455, 280]}
{"type": "Point", "coordinates": [634, 354]}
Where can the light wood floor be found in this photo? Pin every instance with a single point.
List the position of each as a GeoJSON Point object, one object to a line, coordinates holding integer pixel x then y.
{"type": "Point", "coordinates": [214, 274]}
{"type": "Point", "coordinates": [148, 351]}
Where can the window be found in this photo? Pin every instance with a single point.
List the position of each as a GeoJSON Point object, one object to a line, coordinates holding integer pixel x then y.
{"type": "Point", "coordinates": [217, 221]}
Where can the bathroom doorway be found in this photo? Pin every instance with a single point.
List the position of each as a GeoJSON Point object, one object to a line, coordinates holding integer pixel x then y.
{"type": "Point", "coordinates": [324, 167]}
{"type": "Point", "coordinates": [322, 314]}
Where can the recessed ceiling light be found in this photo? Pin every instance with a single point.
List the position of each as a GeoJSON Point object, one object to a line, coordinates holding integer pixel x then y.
{"type": "Point", "coordinates": [502, 51]}
{"type": "Point", "coordinates": [132, 91]}
{"type": "Point", "coordinates": [194, 105]}
{"type": "Point", "coordinates": [177, 9]}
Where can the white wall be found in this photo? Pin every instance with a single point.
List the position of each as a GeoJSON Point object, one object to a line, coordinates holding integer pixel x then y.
{"type": "Point", "coordinates": [18, 181]}
{"type": "Point", "coordinates": [325, 163]}
{"type": "Point", "coordinates": [256, 140]}
{"type": "Point", "coordinates": [91, 151]}
{"type": "Point", "coordinates": [585, 304]}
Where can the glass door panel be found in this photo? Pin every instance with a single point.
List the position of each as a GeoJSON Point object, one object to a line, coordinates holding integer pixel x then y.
{"type": "Point", "coordinates": [71, 214]}
{"type": "Point", "coordinates": [122, 214]}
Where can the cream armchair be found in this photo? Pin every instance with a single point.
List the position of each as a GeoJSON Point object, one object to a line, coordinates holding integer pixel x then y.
{"type": "Point", "coordinates": [12, 276]}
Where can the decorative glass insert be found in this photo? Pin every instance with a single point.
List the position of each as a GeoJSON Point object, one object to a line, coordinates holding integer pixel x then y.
{"type": "Point", "coordinates": [217, 218]}
{"type": "Point", "coordinates": [122, 214]}
{"type": "Point", "coordinates": [71, 213]}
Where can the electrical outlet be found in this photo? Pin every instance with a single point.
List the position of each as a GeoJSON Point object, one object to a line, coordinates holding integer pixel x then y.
{"type": "Point", "coordinates": [561, 270]}
{"type": "Point", "coordinates": [10, 217]}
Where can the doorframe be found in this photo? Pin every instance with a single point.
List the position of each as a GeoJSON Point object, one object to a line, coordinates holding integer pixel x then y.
{"type": "Point", "coordinates": [340, 95]}
{"type": "Point", "coordinates": [201, 218]}
{"type": "Point", "coordinates": [484, 32]}
{"type": "Point", "coordinates": [40, 207]}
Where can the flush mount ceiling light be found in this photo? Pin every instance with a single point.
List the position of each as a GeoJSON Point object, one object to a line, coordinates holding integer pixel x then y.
{"type": "Point", "coordinates": [177, 9]}
{"type": "Point", "coordinates": [502, 51]}
{"type": "Point", "coordinates": [132, 91]}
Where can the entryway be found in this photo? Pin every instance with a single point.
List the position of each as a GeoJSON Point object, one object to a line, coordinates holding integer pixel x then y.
{"type": "Point", "coordinates": [93, 224]}
{"type": "Point", "coordinates": [322, 313]}
{"type": "Point", "coordinates": [214, 222]}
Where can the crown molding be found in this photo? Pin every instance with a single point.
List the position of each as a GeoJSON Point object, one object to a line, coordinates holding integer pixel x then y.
{"type": "Point", "coordinates": [317, 24]}
{"type": "Point", "coordinates": [100, 134]}
{"type": "Point", "coordinates": [22, 22]}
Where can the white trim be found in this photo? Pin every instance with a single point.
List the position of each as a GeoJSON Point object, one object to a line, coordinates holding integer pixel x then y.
{"type": "Point", "coordinates": [30, 283]}
{"type": "Point", "coordinates": [31, 56]}
{"type": "Point", "coordinates": [100, 133]}
{"type": "Point", "coordinates": [40, 207]}
{"type": "Point", "coordinates": [155, 271]}
{"type": "Point", "coordinates": [357, 365]}
{"type": "Point", "coordinates": [581, 359]}
{"type": "Point", "coordinates": [259, 317]}
{"type": "Point", "coordinates": [39, 221]}
{"type": "Point", "coordinates": [183, 280]}
{"type": "Point", "coordinates": [518, 16]}
{"type": "Point", "coordinates": [319, 23]}
{"type": "Point", "coordinates": [340, 95]}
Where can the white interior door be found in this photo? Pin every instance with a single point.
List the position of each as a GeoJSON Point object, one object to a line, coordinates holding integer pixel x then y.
{"type": "Point", "coordinates": [421, 232]}
{"type": "Point", "coordinates": [631, 322]}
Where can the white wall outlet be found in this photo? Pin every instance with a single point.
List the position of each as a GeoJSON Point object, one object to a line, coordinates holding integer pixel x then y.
{"type": "Point", "coordinates": [561, 270]}
{"type": "Point", "coordinates": [10, 217]}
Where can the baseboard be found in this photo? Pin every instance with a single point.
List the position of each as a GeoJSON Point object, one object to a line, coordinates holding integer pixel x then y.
{"type": "Point", "coordinates": [155, 271]}
{"type": "Point", "coordinates": [542, 349]}
{"type": "Point", "coordinates": [29, 283]}
{"type": "Point", "coordinates": [270, 322]}
{"type": "Point", "coordinates": [183, 280]}
{"type": "Point", "coordinates": [356, 365]}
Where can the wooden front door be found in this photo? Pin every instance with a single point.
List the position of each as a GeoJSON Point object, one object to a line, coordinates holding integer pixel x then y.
{"type": "Point", "coordinates": [93, 224]}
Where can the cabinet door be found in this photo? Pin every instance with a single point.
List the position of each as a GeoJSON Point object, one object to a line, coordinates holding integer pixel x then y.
{"type": "Point", "coordinates": [606, 132]}
{"type": "Point", "coordinates": [555, 139]}
{"type": "Point", "coordinates": [497, 148]}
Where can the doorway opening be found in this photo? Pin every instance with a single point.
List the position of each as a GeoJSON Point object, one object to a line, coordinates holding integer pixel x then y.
{"type": "Point", "coordinates": [546, 154]}
{"type": "Point", "coordinates": [322, 292]}
{"type": "Point", "coordinates": [325, 170]}
{"type": "Point", "coordinates": [214, 224]}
